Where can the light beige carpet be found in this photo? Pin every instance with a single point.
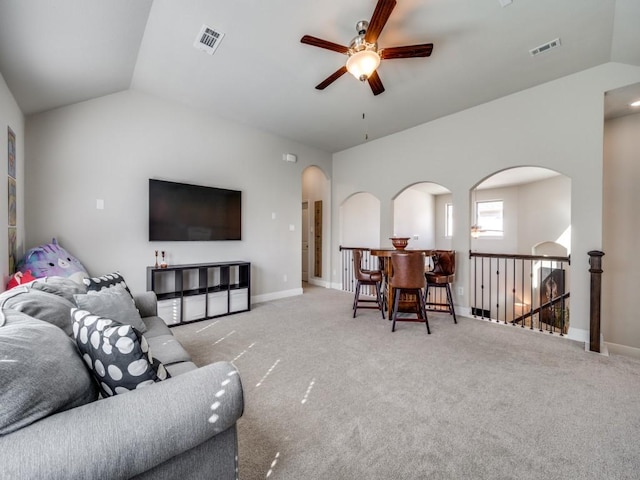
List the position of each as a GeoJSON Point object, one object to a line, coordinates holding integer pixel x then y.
{"type": "Point", "coordinates": [332, 397]}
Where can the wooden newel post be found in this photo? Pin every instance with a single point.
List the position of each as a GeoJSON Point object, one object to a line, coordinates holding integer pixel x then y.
{"type": "Point", "coordinates": [595, 263]}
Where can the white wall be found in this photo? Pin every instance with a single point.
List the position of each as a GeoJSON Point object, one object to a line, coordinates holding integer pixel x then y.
{"type": "Point", "coordinates": [544, 208]}
{"type": "Point", "coordinates": [443, 242]}
{"type": "Point", "coordinates": [621, 263]}
{"type": "Point", "coordinates": [557, 125]}
{"type": "Point", "coordinates": [109, 147]}
{"type": "Point", "coordinates": [10, 116]}
{"type": "Point", "coordinates": [414, 215]}
{"type": "Point", "coordinates": [359, 221]}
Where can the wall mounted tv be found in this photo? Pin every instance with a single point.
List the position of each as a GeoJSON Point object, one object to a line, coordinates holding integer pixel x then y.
{"type": "Point", "coordinates": [183, 212]}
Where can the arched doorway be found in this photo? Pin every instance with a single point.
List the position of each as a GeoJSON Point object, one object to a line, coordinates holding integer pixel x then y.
{"type": "Point", "coordinates": [316, 208]}
{"type": "Point", "coordinates": [423, 212]}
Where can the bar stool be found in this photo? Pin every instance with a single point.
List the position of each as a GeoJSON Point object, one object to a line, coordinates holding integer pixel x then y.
{"type": "Point", "coordinates": [408, 278]}
{"type": "Point", "coordinates": [366, 277]}
{"type": "Point", "coordinates": [441, 276]}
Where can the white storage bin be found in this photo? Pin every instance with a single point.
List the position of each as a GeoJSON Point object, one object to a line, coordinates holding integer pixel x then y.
{"type": "Point", "coordinates": [217, 304]}
{"type": "Point", "coordinates": [194, 308]}
{"type": "Point", "coordinates": [169, 311]}
{"type": "Point", "coordinates": [239, 300]}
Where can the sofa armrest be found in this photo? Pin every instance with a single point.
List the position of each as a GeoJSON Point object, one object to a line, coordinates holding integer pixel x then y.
{"type": "Point", "coordinates": [146, 303]}
{"type": "Point", "coordinates": [122, 436]}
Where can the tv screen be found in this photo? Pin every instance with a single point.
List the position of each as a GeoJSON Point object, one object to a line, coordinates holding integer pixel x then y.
{"type": "Point", "coordinates": [183, 212]}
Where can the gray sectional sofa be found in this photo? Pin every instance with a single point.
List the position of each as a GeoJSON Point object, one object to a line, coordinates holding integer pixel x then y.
{"type": "Point", "coordinates": [56, 421]}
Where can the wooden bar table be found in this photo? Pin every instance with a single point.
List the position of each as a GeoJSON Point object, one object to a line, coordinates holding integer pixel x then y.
{"type": "Point", "coordinates": [384, 263]}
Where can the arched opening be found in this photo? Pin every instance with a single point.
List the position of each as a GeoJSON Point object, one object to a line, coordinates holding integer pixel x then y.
{"type": "Point", "coordinates": [359, 228]}
{"type": "Point", "coordinates": [424, 213]}
{"type": "Point", "coordinates": [360, 221]}
{"type": "Point", "coordinates": [520, 229]}
{"type": "Point", "coordinates": [316, 195]}
{"type": "Point", "coordinates": [515, 209]}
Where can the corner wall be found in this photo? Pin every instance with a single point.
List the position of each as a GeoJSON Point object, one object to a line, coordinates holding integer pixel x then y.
{"type": "Point", "coordinates": [557, 125]}
{"type": "Point", "coordinates": [10, 116]}
{"type": "Point", "coordinates": [621, 262]}
{"type": "Point", "coordinates": [109, 147]}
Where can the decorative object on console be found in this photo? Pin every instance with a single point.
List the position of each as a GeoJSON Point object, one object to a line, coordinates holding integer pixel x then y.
{"type": "Point", "coordinates": [400, 243]}
{"type": "Point", "coordinates": [156, 264]}
{"type": "Point", "coordinates": [50, 260]}
{"type": "Point", "coordinates": [163, 263]}
{"type": "Point", "coordinates": [117, 354]}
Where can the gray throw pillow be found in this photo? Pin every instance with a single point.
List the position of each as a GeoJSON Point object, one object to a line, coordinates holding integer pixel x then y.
{"type": "Point", "coordinates": [41, 372]}
{"type": "Point", "coordinates": [114, 303]}
{"type": "Point", "coordinates": [44, 306]}
{"type": "Point", "coordinates": [61, 286]}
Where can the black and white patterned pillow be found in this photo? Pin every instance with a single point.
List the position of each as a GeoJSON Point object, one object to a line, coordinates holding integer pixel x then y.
{"type": "Point", "coordinates": [105, 281]}
{"type": "Point", "coordinates": [117, 354]}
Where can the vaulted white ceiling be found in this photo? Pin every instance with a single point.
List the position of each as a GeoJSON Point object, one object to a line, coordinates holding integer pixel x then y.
{"type": "Point", "coordinates": [55, 53]}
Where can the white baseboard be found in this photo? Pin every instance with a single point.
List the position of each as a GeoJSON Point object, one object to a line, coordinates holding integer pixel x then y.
{"type": "Point", "coordinates": [618, 349]}
{"type": "Point", "coordinates": [578, 334]}
{"type": "Point", "coordinates": [266, 297]}
{"type": "Point", "coordinates": [318, 282]}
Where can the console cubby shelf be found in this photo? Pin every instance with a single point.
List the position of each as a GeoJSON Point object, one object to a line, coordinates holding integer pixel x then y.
{"type": "Point", "coordinates": [199, 291]}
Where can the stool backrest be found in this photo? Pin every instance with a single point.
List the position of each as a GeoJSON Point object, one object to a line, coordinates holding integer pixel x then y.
{"type": "Point", "coordinates": [408, 270]}
{"type": "Point", "coordinates": [357, 265]}
{"type": "Point", "coordinates": [444, 262]}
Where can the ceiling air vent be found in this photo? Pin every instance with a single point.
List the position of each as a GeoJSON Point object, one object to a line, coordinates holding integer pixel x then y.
{"type": "Point", "coordinates": [208, 39]}
{"type": "Point", "coordinates": [546, 47]}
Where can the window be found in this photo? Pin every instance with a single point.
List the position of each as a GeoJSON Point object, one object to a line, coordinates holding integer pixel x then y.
{"type": "Point", "coordinates": [489, 218]}
{"type": "Point", "coordinates": [448, 220]}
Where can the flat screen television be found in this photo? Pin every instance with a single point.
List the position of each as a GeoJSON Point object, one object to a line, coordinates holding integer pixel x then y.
{"type": "Point", "coordinates": [184, 212]}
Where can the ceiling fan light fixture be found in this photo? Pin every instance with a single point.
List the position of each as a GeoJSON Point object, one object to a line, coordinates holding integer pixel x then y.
{"type": "Point", "coordinates": [363, 63]}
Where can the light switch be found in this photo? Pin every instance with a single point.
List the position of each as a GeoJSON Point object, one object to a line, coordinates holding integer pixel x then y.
{"type": "Point", "coordinates": [292, 227]}
{"type": "Point", "coordinates": [100, 204]}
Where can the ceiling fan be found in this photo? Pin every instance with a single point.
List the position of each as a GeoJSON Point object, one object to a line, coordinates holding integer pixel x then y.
{"type": "Point", "coordinates": [363, 52]}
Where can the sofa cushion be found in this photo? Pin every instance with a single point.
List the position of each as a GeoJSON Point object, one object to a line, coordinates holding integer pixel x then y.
{"type": "Point", "coordinates": [41, 372]}
{"type": "Point", "coordinates": [44, 306]}
{"type": "Point", "coordinates": [180, 368]}
{"type": "Point", "coordinates": [155, 327]}
{"type": "Point", "coordinates": [113, 303]}
{"type": "Point", "coordinates": [61, 286]}
{"type": "Point", "coordinates": [106, 281]}
{"type": "Point", "coordinates": [168, 350]}
{"type": "Point", "coordinates": [117, 354]}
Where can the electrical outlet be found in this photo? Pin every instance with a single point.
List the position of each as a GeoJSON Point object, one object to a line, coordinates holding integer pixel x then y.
{"type": "Point", "coordinates": [285, 277]}
{"type": "Point", "coordinates": [460, 291]}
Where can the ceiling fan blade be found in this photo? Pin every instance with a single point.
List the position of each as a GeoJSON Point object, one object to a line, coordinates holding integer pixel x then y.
{"type": "Point", "coordinates": [379, 19]}
{"type": "Point", "coordinates": [408, 51]}
{"type": "Point", "coordinates": [332, 78]}
{"type": "Point", "coordinates": [318, 42]}
{"type": "Point", "coordinates": [375, 83]}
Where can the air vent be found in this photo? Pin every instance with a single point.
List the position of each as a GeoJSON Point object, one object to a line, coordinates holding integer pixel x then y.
{"type": "Point", "coordinates": [544, 48]}
{"type": "Point", "coordinates": [208, 39]}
